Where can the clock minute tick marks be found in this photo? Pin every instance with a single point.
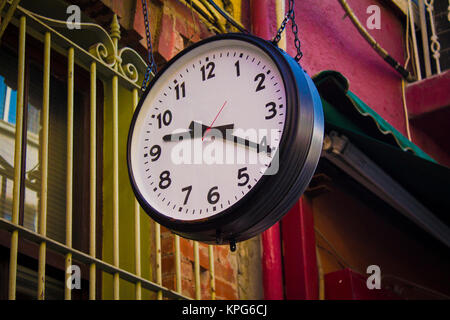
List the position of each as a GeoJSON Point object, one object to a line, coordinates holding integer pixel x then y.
{"type": "Point", "coordinates": [259, 62]}
{"type": "Point", "coordinates": [268, 72]}
{"type": "Point", "coordinates": [180, 209]}
{"type": "Point", "coordinates": [241, 55]}
{"type": "Point", "coordinates": [154, 190]}
{"type": "Point", "coordinates": [207, 59]}
{"type": "Point", "coordinates": [249, 186]}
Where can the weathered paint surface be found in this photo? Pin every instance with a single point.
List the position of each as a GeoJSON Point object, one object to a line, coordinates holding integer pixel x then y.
{"type": "Point", "coordinates": [330, 41]}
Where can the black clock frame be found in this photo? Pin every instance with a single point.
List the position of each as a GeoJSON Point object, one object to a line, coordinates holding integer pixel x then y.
{"type": "Point", "coordinates": [272, 196]}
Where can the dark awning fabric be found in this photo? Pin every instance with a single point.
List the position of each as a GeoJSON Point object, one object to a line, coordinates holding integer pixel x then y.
{"type": "Point", "coordinates": [411, 167]}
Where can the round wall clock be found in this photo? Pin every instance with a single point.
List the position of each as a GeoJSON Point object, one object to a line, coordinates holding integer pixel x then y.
{"type": "Point", "coordinates": [225, 139]}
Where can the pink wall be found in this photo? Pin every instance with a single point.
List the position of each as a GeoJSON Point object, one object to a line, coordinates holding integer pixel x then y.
{"type": "Point", "coordinates": [330, 41]}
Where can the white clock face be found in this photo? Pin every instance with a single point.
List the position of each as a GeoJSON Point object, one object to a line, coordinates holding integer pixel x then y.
{"type": "Point", "coordinates": [228, 101]}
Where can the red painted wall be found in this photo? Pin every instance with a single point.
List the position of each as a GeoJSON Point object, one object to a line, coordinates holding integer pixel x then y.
{"type": "Point", "coordinates": [330, 41]}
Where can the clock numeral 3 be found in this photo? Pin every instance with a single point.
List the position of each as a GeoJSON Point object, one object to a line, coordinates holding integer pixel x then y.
{"type": "Point", "coordinates": [260, 77]}
{"type": "Point", "coordinates": [242, 174]}
{"type": "Point", "coordinates": [164, 119]}
{"type": "Point", "coordinates": [155, 152]}
{"type": "Point", "coordinates": [213, 197]}
{"type": "Point", "coordinates": [165, 180]}
{"type": "Point", "coordinates": [210, 66]}
{"type": "Point", "coordinates": [183, 91]}
{"type": "Point", "coordinates": [188, 189]}
{"type": "Point", "coordinates": [272, 110]}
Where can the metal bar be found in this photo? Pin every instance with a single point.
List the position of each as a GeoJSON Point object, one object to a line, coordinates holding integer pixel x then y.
{"type": "Point", "coordinates": [197, 271]}
{"type": "Point", "coordinates": [414, 39]}
{"type": "Point", "coordinates": [44, 165]}
{"type": "Point", "coordinates": [158, 258]}
{"type": "Point", "coordinates": [177, 263]}
{"type": "Point", "coordinates": [212, 275]}
{"type": "Point", "coordinates": [115, 99]}
{"type": "Point", "coordinates": [137, 225]}
{"type": "Point", "coordinates": [424, 33]}
{"type": "Point", "coordinates": [93, 180]}
{"type": "Point", "coordinates": [17, 158]}
{"type": "Point", "coordinates": [69, 164]}
{"type": "Point", "coordinates": [86, 258]}
{"type": "Point", "coordinates": [355, 163]}
{"type": "Point", "coordinates": [8, 16]}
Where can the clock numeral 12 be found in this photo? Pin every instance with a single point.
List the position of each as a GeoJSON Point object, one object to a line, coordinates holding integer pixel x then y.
{"type": "Point", "coordinates": [211, 74]}
{"type": "Point", "coordinates": [183, 91]}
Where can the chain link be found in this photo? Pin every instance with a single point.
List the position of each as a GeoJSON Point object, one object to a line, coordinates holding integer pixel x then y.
{"type": "Point", "coordinates": [290, 15]}
{"type": "Point", "coordinates": [151, 67]}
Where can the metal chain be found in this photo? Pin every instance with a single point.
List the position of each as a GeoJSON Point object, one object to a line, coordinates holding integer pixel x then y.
{"type": "Point", "coordinates": [151, 67]}
{"type": "Point", "coordinates": [290, 15]}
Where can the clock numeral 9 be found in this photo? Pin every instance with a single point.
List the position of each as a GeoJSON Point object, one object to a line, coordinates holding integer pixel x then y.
{"type": "Point", "coordinates": [165, 180]}
{"type": "Point", "coordinates": [260, 77]}
{"type": "Point", "coordinates": [272, 110]}
{"type": "Point", "coordinates": [183, 91]}
{"type": "Point", "coordinates": [164, 119]}
{"type": "Point", "coordinates": [211, 74]}
{"type": "Point", "coordinates": [242, 174]}
{"type": "Point", "coordinates": [155, 152]}
{"type": "Point", "coordinates": [213, 197]}
{"type": "Point", "coordinates": [188, 189]}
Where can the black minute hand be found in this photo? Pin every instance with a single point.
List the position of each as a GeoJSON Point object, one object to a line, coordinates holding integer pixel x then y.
{"type": "Point", "coordinates": [249, 144]}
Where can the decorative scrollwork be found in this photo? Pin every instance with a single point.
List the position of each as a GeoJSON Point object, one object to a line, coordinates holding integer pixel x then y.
{"type": "Point", "coordinates": [435, 46]}
{"type": "Point", "coordinates": [102, 45]}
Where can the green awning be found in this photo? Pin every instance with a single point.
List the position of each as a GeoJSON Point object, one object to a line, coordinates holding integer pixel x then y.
{"type": "Point", "coordinates": [417, 172]}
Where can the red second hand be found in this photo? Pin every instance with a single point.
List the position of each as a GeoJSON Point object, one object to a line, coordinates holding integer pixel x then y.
{"type": "Point", "coordinates": [214, 120]}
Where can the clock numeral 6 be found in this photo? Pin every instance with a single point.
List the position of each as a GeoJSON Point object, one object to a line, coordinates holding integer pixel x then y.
{"type": "Point", "coordinates": [242, 174]}
{"type": "Point", "coordinates": [188, 189]}
{"type": "Point", "coordinates": [260, 77]}
{"type": "Point", "coordinates": [272, 110]}
{"type": "Point", "coordinates": [164, 119]}
{"type": "Point", "coordinates": [213, 197]}
{"type": "Point", "coordinates": [165, 180]}
{"type": "Point", "coordinates": [211, 74]}
{"type": "Point", "coordinates": [155, 152]}
{"type": "Point", "coordinates": [183, 91]}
